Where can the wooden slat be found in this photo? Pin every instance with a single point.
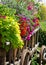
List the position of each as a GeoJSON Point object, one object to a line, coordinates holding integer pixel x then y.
{"type": "Point", "coordinates": [33, 41]}
{"type": "Point", "coordinates": [34, 49]}
{"type": "Point", "coordinates": [34, 31]}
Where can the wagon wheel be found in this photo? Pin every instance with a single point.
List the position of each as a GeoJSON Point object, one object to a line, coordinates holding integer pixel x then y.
{"type": "Point", "coordinates": [42, 54]}
{"type": "Point", "coordinates": [25, 57]}
{"type": "Point", "coordinates": [12, 55]}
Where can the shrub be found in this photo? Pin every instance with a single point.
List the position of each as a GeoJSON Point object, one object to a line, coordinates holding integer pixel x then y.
{"type": "Point", "coordinates": [9, 28]}
{"type": "Point", "coordinates": [43, 33]}
{"type": "Point", "coordinates": [10, 32]}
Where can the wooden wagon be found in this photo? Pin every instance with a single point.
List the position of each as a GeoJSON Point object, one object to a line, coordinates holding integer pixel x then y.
{"type": "Point", "coordinates": [21, 56]}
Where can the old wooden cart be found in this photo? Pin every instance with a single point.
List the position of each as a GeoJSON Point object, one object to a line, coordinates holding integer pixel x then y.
{"type": "Point", "coordinates": [21, 56]}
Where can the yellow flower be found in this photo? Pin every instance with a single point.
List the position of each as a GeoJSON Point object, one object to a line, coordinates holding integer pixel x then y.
{"type": "Point", "coordinates": [11, 19]}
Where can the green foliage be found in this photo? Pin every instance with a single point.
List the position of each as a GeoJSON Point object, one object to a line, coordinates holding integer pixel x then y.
{"type": "Point", "coordinates": [9, 29]}
{"type": "Point", "coordinates": [20, 6]}
{"type": "Point", "coordinates": [34, 60]}
{"type": "Point", "coordinates": [5, 10]}
{"type": "Point", "coordinates": [10, 3]}
{"type": "Point", "coordinates": [43, 33]}
{"type": "Point", "coordinates": [37, 5]}
{"type": "Point", "coordinates": [43, 25]}
{"type": "Point", "coordinates": [42, 12]}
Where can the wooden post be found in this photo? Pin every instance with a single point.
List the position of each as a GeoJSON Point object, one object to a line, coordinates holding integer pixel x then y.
{"type": "Point", "coordinates": [2, 56]}
{"type": "Point", "coordinates": [42, 59]}
{"type": "Point", "coordinates": [35, 38]}
{"type": "Point", "coordinates": [25, 43]}
{"type": "Point", "coordinates": [29, 44]}
{"type": "Point", "coordinates": [37, 34]}
{"type": "Point", "coordinates": [12, 55]}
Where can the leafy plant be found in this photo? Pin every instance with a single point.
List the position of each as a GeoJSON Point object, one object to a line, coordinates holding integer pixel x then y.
{"type": "Point", "coordinates": [10, 32]}
{"type": "Point", "coordinates": [20, 6]}
{"type": "Point", "coordinates": [5, 10]}
{"type": "Point", "coordinates": [42, 38]}
{"type": "Point", "coordinates": [34, 60]}
{"type": "Point", "coordinates": [10, 3]}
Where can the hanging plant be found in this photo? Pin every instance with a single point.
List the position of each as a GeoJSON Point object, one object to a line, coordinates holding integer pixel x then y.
{"type": "Point", "coordinates": [10, 32]}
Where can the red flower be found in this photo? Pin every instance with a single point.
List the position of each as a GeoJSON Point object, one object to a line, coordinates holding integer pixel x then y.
{"type": "Point", "coordinates": [24, 23]}
{"type": "Point", "coordinates": [23, 28]}
{"type": "Point", "coordinates": [23, 32]}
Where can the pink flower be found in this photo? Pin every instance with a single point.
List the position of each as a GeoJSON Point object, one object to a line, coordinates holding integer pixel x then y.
{"type": "Point", "coordinates": [30, 32]}
{"type": "Point", "coordinates": [28, 37]}
{"type": "Point", "coordinates": [24, 18]}
{"type": "Point", "coordinates": [29, 7]}
{"type": "Point", "coordinates": [35, 20]}
{"type": "Point", "coordinates": [35, 25]}
{"type": "Point", "coordinates": [28, 28]}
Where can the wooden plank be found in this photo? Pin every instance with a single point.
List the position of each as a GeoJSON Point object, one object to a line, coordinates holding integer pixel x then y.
{"type": "Point", "coordinates": [35, 31]}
